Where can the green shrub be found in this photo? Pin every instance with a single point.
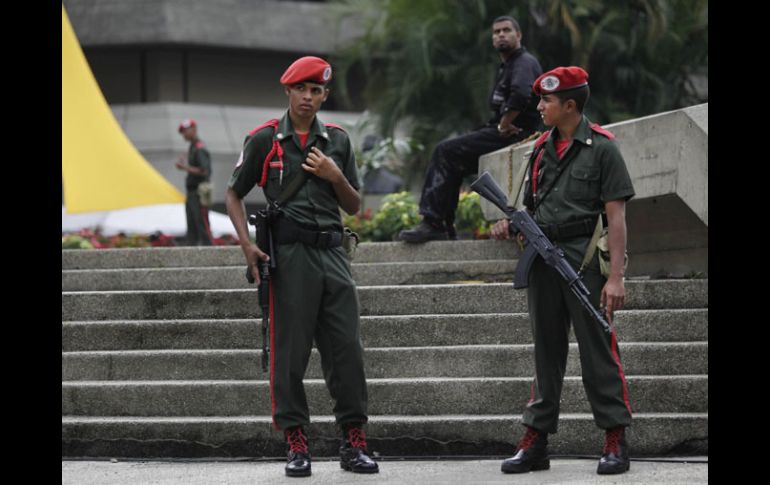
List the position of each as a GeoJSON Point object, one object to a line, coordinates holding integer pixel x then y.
{"type": "Point", "coordinates": [399, 211]}
{"type": "Point", "coordinates": [132, 241]}
{"type": "Point", "coordinates": [469, 219]}
{"type": "Point", "coordinates": [75, 242]}
{"type": "Point", "coordinates": [361, 224]}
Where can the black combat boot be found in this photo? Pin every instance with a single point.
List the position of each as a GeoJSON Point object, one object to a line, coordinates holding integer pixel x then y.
{"type": "Point", "coordinates": [299, 456]}
{"type": "Point", "coordinates": [353, 454]}
{"type": "Point", "coordinates": [614, 458]}
{"type": "Point", "coordinates": [425, 231]}
{"type": "Point", "coordinates": [531, 454]}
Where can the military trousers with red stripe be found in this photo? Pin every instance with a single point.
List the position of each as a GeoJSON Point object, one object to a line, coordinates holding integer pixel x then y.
{"type": "Point", "coordinates": [198, 229]}
{"type": "Point", "coordinates": [552, 307]}
{"type": "Point", "coordinates": [315, 300]}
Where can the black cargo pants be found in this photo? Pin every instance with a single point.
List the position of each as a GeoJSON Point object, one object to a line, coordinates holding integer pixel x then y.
{"type": "Point", "coordinates": [451, 162]}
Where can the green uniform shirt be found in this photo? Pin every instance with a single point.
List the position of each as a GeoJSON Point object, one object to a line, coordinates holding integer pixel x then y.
{"type": "Point", "coordinates": [596, 174]}
{"type": "Point", "coordinates": [198, 156]}
{"type": "Point", "coordinates": [315, 205]}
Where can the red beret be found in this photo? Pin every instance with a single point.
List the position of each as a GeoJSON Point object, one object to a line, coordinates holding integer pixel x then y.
{"type": "Point", "coordinates": [186, 124]}
{"type": "Point", "coordinates": [560, 79]}
{"type": "Point", "coordinates": [308, 68]}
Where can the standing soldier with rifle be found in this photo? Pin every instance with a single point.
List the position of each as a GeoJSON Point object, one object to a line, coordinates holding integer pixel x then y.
{"type": "Point", "coordinates": [307, 170]}
{"type": "Point", "coordinates": [575, 175]}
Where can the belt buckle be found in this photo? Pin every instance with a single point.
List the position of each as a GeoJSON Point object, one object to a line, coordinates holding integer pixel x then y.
{"type": "Point", "coordinates": [324, 239]}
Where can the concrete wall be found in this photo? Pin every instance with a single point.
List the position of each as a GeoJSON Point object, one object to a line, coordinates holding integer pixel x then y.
{"type": "Point", "coordinates": [227, 52]}
{"type": "Point", "coordinates": [157, 74]}
{"type": "Point", "coordinates": [282, 26]}
{"type": "Point", "coordinates": [667, 158]}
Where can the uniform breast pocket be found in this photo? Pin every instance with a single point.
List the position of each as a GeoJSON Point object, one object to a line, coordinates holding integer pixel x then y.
{"type": "Point", "coordinates": [584, 183]}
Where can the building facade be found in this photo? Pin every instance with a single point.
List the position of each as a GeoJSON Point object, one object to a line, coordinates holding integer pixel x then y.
{"type": "Point", "coordinates": [216, 61]}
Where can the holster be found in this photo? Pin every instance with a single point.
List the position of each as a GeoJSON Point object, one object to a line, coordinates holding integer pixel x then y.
{"type": "Point", "coordinates": [350, 242]}
{"type": "Point", "coordinates": [260, 222]}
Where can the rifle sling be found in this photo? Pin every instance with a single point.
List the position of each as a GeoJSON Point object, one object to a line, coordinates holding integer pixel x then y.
{"type": "Point", "coordinates": [291, 188]}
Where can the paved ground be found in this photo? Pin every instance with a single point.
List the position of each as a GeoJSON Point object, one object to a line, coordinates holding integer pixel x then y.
{"type": "Point", "coordinates": [570, 471]}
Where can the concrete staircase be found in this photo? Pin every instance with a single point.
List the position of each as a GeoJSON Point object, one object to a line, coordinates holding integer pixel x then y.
{"type": "Point", "coordinates": [160, 357]}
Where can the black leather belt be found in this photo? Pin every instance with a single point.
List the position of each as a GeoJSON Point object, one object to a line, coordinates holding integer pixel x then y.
{"type": "Point", "coordinates": [569, 230]}
{"type": "Point", "coordinates": [286, 232]}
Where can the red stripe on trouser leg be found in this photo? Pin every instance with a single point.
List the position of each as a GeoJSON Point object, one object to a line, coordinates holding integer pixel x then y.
{"type": "Point", "coordinates": [622, 374]}
{"type": "Point", "coordinates": [272, 355]}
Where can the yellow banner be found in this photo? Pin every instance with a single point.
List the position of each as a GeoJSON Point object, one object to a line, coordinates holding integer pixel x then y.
{"type": "Point", "coordinates": [101, 168]}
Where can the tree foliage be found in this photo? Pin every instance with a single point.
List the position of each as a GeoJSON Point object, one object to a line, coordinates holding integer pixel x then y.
{"type": "Point", "coordinates": [429, 65]}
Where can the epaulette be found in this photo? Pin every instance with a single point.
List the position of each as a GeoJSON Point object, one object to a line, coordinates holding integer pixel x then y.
{"type": "Point", "coordinates": [273, 122]}
{"type": "Point", "coordinates": [543, 138]}
{"type": "Point", "coordinates": [333, 125]}
{"type": "Point", "coordinates": [602, 131]}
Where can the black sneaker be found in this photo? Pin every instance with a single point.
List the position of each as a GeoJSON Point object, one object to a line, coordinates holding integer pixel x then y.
{"type": "Point", "coordinates": [531, 454]}
{"type": "Point", "coordinates": [298, 463]}
{"type": "Point", "coordinates": [614, 458]}
{"type": "Point", "coordinates": [425, 231]}
{"type": "Point", "coordinates": [353, 454]}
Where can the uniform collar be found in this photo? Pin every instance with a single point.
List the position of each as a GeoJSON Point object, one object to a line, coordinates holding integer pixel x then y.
{"type": "Point", "coordinates": [286, 130]}
{"type": "Point", "coordinates": [583, 133]}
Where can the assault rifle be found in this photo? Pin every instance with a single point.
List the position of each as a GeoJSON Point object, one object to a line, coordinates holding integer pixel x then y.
{"type": "Point", "coordinates": [264, 239]}
{"type": "Point", "coordinates": [536, 244]}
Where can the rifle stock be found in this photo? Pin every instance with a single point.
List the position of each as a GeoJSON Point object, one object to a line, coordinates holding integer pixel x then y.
{"type": "Point", "coordinates": [536, 244]}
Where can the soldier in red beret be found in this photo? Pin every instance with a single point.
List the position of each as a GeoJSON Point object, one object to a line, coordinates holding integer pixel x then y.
{"type": "Point", "coordinates": [197, 164]}
{"type": "Point", "coordinates": [513, 119]}
{"type": "Point", "coordinates": [313, 293]}
{"type": "Point", "coordinates": [576, 178]}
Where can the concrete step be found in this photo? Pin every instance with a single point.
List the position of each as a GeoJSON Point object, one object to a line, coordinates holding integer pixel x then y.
{"type": "Point", "coordinates": [456, 361]}
{"type": "Point", "coordinates": [424, 396]}
{"type": "Point", "coordinates": [374, 300]}
{"type": "Point", "coordinates": [385, 252]}
{"type": "Point", "coordinates": [253, 436]}
{"type": "Point", "coordinates": [376, 331]}
{"type": "Point", "coordinates": [222, 277]}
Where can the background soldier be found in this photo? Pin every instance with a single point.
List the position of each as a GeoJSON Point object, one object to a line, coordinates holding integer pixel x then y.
{"type": "Point", "coordinates": [452, 160]}
{"type": "Point", "coordinates": [197, 164]}
{"type": "Point", "coordinates": [596, 181]}
{"type": "Point", "coordinates": [313, 293]}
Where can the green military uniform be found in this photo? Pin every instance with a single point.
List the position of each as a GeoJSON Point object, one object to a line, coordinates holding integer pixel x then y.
{"type": "Point", "coordinates": [595, 173]}
{"type": "Point", "coordinates": [314, 293]}
{"type": "Point", "coordinates": [197, 210]}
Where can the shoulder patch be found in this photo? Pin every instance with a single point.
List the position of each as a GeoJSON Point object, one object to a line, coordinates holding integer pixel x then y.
{"type": "Point", "coordinates": [543, 138]}
{"type": "Point", "coordinates": [199, 145]}
{"type": "Point", "coordinates": [273, 122]}
{"type": "Point", "coordinates": [333, 125]}
{"type": "Point", "coordinates": [602, 131]}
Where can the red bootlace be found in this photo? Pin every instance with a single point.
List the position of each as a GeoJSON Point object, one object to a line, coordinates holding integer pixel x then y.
{"type": "Point", "coordinates": [297, 440]}
{"type": "Point", "coordinates": [612, 441]}
{"type": "Point", "coordinates": [528, 439]}
{"type": "Point", "coordinates": [357, 438]}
